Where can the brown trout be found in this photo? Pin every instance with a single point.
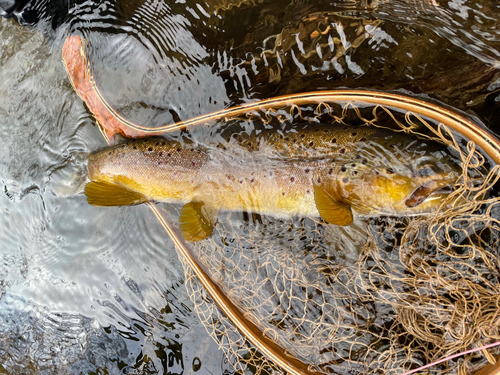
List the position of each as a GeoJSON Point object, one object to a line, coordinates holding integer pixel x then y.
{"type": "Point", "coordinates": [330, 171]}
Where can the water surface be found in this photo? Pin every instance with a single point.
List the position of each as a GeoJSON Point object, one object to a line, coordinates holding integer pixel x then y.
{"type": "Point", "coordinates": [86, 289]}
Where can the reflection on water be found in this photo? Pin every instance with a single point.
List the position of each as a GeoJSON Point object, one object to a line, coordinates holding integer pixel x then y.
{"type": "Point", "coordinates": [195, 58]}
{"type": "Point", "coordinates": [81, 289]}
{"type": "Point", "coordinates": [84, 289]}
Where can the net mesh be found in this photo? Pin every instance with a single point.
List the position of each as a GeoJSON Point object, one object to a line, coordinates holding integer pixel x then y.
{"type": "Point", "coordinates": [381, 296]}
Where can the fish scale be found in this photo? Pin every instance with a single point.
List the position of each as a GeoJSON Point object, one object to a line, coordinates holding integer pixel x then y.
{"type": "Point", "coordinates": [313, 140]}
{"type": "Point", "coordinates": [320, 170]}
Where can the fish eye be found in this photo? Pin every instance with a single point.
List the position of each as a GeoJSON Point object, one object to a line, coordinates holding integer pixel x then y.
{"type": "Point", "coordinates": [426, 170]}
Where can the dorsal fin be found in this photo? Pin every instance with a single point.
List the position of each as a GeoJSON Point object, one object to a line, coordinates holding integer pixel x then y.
{"type": "Point", "coordinates": [331, 210]}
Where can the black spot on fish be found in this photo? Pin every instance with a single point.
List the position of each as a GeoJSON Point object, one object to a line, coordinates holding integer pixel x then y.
{"type": "Point", "coordinates": [343, 168]}
{"type": "Point", "coordinates": [235, 136]}
{"type": "Point", "coordinates": [109, 153]}
{"type": "Point", "coordinates": [342, 151]}
{"type": "Point", "coordinates": [325, 131]}
{"type": "Point", "coordinates": [344, 180]}
{"type": "Point", "coordinates": [330, 171]}
{"type": "Point", "coordinates": [168, 155]}
{"type": "Point", "coordinates": [334, 140]}
{"type": "Point", "coordinates": [160, 154]}
{"type": "Point", "coordinates": [193, 163]}
{"type": "Point", "coordinates": [311, 144]}
{"type": "Point", "coordinates": [358, 156]}
{"type": "Point", "coordinates": [150, 149]}
{"type": "Point", "coordinates": [317, 130]}
{"type": "Point", "coordinates": [163, 143]}
{"type": "Point", "coordinates": [241, 181]}
{"type": "Point", "coordinates": [135, 147]}
{"type": "Point", "coordinates": [302, 136]}
{"type": "Point", "coordinates": [160, 163]}
{"type": "Point", "coordinates": [365, 161]}
{"type": "Point", "coordinates": [319, 180]}
{"type": "Point", "coordinates": [390, 170]}
{"type": "Point", "coordinates": [287, 139]}
{"type": "Point", "coordinates": [283, 193]}
{"type": "Point", "coordinates": [354, 134]}
{"type": "Point", "coordinates": [308, 191]}
{"type": "Point", "coordinates": [292, 179]}
{"type": "Point", "coordinates": [252, 180]}
{"type": "Point", "coordinates": [295, 140]}
{"type": "Point", "coordinates": [362, 139]}
{"type": "Point", "coordinates": [353, 165]}
{"type": "Point", "coordinates": [354, 173]}
{"type": "Point", "coordinates": [179, 149]}
{"type": "Point", "coordinates": [306, 170]}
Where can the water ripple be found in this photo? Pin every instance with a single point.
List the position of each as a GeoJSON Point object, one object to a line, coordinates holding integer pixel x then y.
{"type": "Point", "coordinates": [81, 289]}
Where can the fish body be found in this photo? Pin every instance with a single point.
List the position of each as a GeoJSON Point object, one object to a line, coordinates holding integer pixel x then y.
{"type": "Point", "coordinates": [323, 170]}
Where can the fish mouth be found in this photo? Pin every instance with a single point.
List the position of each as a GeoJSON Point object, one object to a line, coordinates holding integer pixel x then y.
{"type": "Point", "coordinates": [424, 191]}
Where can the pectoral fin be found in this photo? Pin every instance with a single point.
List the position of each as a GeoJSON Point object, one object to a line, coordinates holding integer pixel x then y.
{"type": "Point", "coordinates": [196, 221]}
{"type": "Point", "coordinates": [331, 210]}
{"type": "Point", "coordinates": [100, 193]}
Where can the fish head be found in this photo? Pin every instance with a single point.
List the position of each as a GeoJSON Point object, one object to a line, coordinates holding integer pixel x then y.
{"type": "Point", "coordinates": [403, 178]}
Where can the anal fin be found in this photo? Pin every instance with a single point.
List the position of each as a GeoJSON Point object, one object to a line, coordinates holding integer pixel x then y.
{"type": "Point", "coordinates": [100, 193]}
{"type": "Point", "coordinates": [196, 221]}
{"type": "Point", "coordinates": [331, 210]}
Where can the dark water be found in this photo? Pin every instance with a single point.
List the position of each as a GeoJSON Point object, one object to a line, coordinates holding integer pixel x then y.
{"type": "Point", "coordinates": [99, 290]}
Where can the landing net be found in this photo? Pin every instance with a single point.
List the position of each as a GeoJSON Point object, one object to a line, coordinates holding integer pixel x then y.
{"type": "Point", "coordinates": [382, 296]}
